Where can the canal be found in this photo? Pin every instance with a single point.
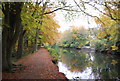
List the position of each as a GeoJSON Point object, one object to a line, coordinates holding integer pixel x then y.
{"type": "Point", "coordinates": [84, 64]}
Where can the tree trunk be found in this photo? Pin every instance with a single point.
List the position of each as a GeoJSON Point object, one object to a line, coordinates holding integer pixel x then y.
{"type": "Point", "coordinates": [10, 32]}
{"type": "Point", "coordinates": [36, 40]}
{"type": "Point", "coordinates": [26, 41]}
{"type": "Point", "coordinates": [20, 43]}
{"type": "Point", "coordinates": [4, 60]}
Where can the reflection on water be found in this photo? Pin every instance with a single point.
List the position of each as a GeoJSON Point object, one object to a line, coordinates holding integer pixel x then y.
{"type": "Point", "coordinates": [70, 75]}
{"type": "Point", "coordinates": [76, 64]}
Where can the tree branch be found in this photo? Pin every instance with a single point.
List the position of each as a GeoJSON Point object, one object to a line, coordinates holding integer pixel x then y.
{"type": "Point", "coordinates": [40, 2]}
{"type": "Point", "coordinates": [87, 13]}
{"type": "Point", "coordinates": [61, 8]}
{"type": "Point", "coordinates": [110, 15]}
{"type": "Point", "coordinates": [37, 4]}
{"type": "Point", "coordinates": [98, 9]}
{"type": "Point", "coordinates": [3, 8]}
{"type": "Point", "coordinates": [109, 12]}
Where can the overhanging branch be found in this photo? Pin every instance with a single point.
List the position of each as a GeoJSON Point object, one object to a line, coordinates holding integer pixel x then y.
{"type": "Point", "coordinates": [109, 12]}
{"type": "Point", "coordinates": [105, 5]}
{"type": "Point", "coordinates": [61, 8]}
{"type": "Point", "coordinates": [87, 13]}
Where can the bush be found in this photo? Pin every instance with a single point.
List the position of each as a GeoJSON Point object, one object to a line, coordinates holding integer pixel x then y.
{"type": "Point", "coordinates": [54, 51]}
{"type": "Point", "coordinates": [103, 45]}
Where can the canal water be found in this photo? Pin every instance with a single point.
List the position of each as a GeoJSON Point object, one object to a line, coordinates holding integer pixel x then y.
{"type": "Point", "coordinates": [84, 64]}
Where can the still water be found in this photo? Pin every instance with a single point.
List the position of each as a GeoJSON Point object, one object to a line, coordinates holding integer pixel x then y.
{"type": "Point", "coordinates": [78, 64]}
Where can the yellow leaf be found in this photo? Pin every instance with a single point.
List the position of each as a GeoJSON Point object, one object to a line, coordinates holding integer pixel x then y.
{"type": "Point", "coordinates": [114, 47]}
{"type": "Point", "coordinates": [114, 62]}
{"type": "Point", "coordinates": [86, 55]}
{"type": "Point", "coordinates": [110, 38]}
{"type": "Point", "coordinates": [76, 38]}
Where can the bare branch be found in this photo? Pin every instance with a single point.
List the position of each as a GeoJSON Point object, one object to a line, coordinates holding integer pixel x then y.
{"type": "Point", "coordinates": [109, 12]}
{"type": "Point", "coordinates": [40, 2]}
{"type": "Point", "coordinates": [61, 8]}
{"type": "Point", "coordinates": [98, 9]}
{"type": "Point", "coordinates": [87, 13]}
{"type": "Point", "coordinates": [105, 5]}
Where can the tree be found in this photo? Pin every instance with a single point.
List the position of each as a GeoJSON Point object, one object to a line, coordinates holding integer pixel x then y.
{"type": "Point", "coordinates": [49, 30]}
{"type": "Point", "coordinates": [10, 32]}
{"type": "Point", "coordinates": [109, 28]}
{"type": "Point", "coordinates": [43, 26]}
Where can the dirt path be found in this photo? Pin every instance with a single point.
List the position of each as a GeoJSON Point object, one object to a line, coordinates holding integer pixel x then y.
{"type": "Point", "coordinates": [36, 66]}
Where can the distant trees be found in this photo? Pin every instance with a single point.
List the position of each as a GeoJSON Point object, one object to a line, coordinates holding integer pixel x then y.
{"type": "Point", "coordinates": [74, 38]}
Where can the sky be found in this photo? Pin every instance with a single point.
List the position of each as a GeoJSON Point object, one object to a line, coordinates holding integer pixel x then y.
{"type": "Point", "coordinates": [78, 21]}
